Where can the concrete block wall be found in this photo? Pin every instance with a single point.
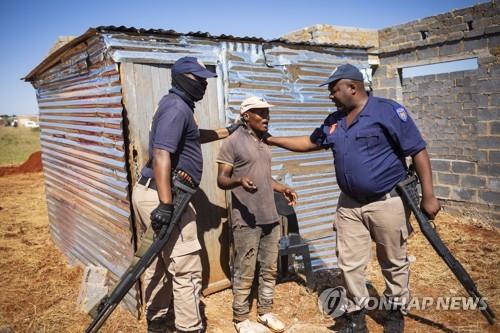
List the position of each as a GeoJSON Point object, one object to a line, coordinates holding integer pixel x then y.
{"type": "Point", "coordinates": [458, 113]}
{"type": "Point", "coordinates": [331, 34]}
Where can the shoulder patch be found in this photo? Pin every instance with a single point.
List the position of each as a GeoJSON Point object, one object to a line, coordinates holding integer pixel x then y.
{"type": "Point", "coordinates": [402, 114]}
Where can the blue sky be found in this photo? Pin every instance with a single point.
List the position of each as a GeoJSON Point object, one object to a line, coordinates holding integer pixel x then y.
{"type": "Point", "coordinates": [29, 28]}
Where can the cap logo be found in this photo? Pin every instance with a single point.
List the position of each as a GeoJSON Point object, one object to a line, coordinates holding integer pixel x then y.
{"type": "Point", "coordinates": [402, 114]}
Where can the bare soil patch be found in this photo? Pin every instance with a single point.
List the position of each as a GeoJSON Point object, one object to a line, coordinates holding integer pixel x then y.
{"type": "Point", "coordinates": [32, 164]}
{"type": "Point", "coordinates": [38, 290]}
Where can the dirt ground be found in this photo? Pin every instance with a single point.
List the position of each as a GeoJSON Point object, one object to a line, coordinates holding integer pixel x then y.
{"type": "Point", "coordinates": [32, 164]}
{"type": "Point", "coordinates": [38, 290]}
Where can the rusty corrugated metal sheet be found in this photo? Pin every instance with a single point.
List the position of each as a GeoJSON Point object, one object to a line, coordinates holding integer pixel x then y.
{"type": "Point", "coordinates": [159, 49]}
{"type": "Point", "coordinates": [286, 75]}
{"type": "Point", "coordinates": [83, 156]}
{"type": "Point", "coordinates": [288, 78]}
{"type": "Point", "coordinates": [82, 137]}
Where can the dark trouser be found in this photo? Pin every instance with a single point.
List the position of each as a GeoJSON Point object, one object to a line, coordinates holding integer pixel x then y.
{"type": "Point", "coordinates": [252, 245]}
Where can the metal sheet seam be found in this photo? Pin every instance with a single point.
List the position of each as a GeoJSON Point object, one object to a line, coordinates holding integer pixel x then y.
{"type": "Point", "coordinates": [220, 85]}
{"type": "Point", "coordinates": [126, 145]}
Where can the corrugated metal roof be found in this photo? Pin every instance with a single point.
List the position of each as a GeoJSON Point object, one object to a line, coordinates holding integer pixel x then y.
{"type": "Point", "coordinates": [53, 58]}
{"type": "Point", "coordinates": [201, 34]}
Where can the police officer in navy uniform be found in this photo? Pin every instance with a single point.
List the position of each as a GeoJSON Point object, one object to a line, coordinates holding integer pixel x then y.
{"type": "Point", "coordinates": [370, 138]}
{"type": "Point", "coordinates": [174, 144]}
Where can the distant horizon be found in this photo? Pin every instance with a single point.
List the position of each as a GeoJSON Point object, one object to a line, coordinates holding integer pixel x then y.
{"type": "Point", "coordinates": [34, 27]}
{"type": "Point", "coordinates": [20, 115]}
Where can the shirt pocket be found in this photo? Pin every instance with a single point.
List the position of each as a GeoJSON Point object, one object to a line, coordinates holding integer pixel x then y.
{"type": "Point", "coordinates": [370, 140]}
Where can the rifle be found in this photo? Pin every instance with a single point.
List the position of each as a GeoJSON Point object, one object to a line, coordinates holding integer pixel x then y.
{"type": "Point", "coordinates": [407, 189]}
{"type": "Point", "coordinates": [184, 189]}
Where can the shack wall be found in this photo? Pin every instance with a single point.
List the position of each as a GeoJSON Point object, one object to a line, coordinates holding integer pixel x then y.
{"type": "Point", "coordinates": [83, 155]}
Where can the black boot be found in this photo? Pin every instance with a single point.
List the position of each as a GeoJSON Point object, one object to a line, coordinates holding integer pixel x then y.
{"type": "Point", "coordinates": [162, 325]}
{"type": "Point", "coordinates": [394, 322]}
{"type": "Point", "coordinates": [354, 322]}
{"type": "Point", "coordinates": [157, 326]}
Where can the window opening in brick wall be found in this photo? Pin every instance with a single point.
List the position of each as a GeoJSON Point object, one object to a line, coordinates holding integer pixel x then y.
{"type": "Point", "coordinates": [424, 34]}
{"type": "Point", "coordinates": [469, 25]}
{"type": "Point", "coordinates": [439, 68]}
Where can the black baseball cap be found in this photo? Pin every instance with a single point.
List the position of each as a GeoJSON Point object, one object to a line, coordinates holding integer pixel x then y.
{"type": "Point", "coordinates": [346, 71]}
{"type": "Point", "coordinates": [191, 65]}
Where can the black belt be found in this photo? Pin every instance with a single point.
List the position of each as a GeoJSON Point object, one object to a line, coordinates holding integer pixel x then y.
{"type": "Point", "coordinates": [391, 194]}
{"type": "Point", "coordinates": [144, 181]}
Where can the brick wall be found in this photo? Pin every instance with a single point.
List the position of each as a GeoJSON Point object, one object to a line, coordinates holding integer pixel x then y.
{"type": "Point", "coordinates": [458, 113]}
{"type": "Point", "coordinates": [445, 109]}
{"type": "Point", "coordinates": [456, 25]}
{"type": "Point", "coordinates": [331, 34]}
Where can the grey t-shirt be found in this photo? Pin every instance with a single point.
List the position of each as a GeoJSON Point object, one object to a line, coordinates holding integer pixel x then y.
{"type": "Point", "coordinates": [250, 157]}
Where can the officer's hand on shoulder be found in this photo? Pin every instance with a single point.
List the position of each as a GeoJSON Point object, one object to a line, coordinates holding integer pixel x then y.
{"type": "Point", "coordinates": [430, 206]}
{"type": "Point", "coordinates": [318, 135]}
{"type": "Point", "coordinates": [161, 216]}
{"type": "Point", "coordinates": [232, 127]}
{"type": "Point", "coordinates": [265, 137]}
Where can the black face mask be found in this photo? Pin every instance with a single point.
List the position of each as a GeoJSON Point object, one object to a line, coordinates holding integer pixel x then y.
{"type": "Point", "coordinates": [194, 88]}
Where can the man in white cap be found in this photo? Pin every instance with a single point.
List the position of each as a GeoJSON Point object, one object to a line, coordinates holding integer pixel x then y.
{"type": "Point", "coordinates": [245, 169]}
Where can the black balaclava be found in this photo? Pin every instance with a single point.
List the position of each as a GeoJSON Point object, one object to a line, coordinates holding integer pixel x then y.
{"type": "Point", "coordinates": [194, 88]}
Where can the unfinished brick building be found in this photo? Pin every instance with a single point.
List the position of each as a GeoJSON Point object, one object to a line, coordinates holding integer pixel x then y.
{"type": "Point", "coordinates": [457, 112]}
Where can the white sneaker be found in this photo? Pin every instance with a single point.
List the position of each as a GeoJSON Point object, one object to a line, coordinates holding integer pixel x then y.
{"type": "Point", "coordinates": [272, 322]}
{"type": "Point", "coordinates": [248, 326]}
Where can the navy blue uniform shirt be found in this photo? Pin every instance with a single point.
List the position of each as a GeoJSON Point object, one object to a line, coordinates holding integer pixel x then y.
{"type": "Point", "coordinates": [174, 129]}
{"type": "Point", "coordinates": [369, 154]}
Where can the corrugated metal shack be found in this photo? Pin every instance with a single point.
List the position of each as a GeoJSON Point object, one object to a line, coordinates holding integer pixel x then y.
{"type": "Point", "coordinates": [97, 95]}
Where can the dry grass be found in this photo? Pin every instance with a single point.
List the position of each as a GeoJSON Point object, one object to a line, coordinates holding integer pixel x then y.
{"type": "Point", "coordinates": [17, 143]}
{"type": "Point", "coordinates": [38, 289]}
